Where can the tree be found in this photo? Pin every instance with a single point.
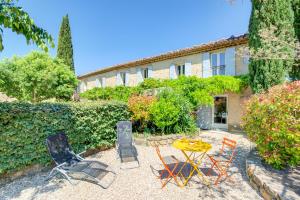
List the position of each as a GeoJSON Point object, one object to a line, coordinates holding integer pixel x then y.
{"type": "Point", "coordinates": [276, 16]}
{"type": "Point", "coordinates": [19, 21]}
{"type": "Point", "coordinates": [295, 73]}
{"type": "Point", "coordinates": [36, 77]}
{"type": "Point", "coordinates": [65, 47]}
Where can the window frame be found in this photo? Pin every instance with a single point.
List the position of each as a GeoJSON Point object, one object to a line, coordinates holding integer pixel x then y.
{"type": "Point", "coordinates": [180, 70]}
{"type": "Point", "coordinates": [145, 71]}
{"type": "Point", "coordinates": [218, 69]}
{"type": "Point", "coordinates": [123, 78]}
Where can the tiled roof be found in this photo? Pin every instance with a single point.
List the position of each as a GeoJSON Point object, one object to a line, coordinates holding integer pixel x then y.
{"type": "Point", "coordinates": [223, 43]}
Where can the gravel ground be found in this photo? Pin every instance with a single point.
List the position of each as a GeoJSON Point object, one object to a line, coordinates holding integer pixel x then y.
{"type": "Point", "coordinates": [140, 183]}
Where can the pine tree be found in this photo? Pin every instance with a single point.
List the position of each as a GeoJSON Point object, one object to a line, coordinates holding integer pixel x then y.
{"type": "Point", "coordinates": [65, 47]}
{"type": "Point", "coordinates": [264, 72]}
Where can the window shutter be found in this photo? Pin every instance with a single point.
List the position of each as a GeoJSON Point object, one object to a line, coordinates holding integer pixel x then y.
{"type": "Point", "coordinates": [230, 61]}
{"type": "Point", "coordinates": [82, 86]}
{"type": "Point", "coordinates": [98, 84]}
{"type": "Point", "coordinates": [139, 75]}
{"type": "Point", "coordinates": [103, 82]}
{"type": "Point", "coordinates": [172, 72]}
{"type": "Point", "coordinates": [206, 68]}
{"type": "Point", "coordinates": [119, 79]}
{"type": "Point", "coordinates": [127, 79]}
{"type": "Point", "coordinates": [150, 72]}
{"type": "Point", "coordinates": [188, 68]}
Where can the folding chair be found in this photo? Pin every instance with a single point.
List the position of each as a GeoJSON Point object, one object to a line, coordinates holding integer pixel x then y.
{"type": "Point", "coordinates": [221, 161]}
{"type": "Point", "coordinates": [125, 144]}
{"type": "Point", "coordinates": [170, 164]}
{"type": "Point", "coordinates": [72, 165]}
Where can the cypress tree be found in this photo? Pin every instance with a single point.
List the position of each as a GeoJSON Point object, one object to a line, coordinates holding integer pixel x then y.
{"type": "Point", "coordinates": [265, 72]}
{"type": "Point", "coordinates": [295, 73]}
{"type": "Point", "coordinates": [65, 47]}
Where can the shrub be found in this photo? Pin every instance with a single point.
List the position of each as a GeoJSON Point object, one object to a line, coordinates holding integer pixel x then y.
{"type": "Point", "coordinates": [119, 93]}
{"type": "Point", "coordinates": [272, 121]}
{"type": "Point", "coordinates": [140, 106]}
{"type": "Point", "coordinates": [171, 113]}
{"type": "Point", "coordinates": [24, 128]}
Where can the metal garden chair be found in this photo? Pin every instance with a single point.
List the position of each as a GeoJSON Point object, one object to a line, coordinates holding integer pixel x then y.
{"type": "Point", "coordinates": [222, 161]}
{"type": "Point", "coordinates": [73, 166]}
{"type": "Point", "coordinates": [170, 164]}
{"type": "Point", "coordinates": [125, 144]}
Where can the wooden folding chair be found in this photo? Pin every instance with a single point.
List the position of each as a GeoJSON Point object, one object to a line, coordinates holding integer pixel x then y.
{"type": "Point", "coordinates": [170, 164]}
{"type": "Point", "coordinates": [221, 161]}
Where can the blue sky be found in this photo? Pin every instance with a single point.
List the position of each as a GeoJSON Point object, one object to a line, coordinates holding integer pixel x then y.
{"type": "Point", "coordinates": [108, 32]}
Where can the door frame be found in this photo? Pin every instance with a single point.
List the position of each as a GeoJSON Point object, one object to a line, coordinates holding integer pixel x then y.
{"type": "Point", "coordinates": [218, 125]}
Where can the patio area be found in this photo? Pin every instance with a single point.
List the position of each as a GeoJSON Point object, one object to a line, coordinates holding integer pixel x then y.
{"type": "Point", "coordinates": [141, 183]}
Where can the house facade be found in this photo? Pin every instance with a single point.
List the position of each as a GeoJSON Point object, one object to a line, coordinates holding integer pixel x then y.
{"type": "Point", "coordinates": [214, 58]}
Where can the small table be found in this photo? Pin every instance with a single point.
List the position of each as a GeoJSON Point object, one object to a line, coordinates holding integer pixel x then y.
{"type": "Point", "coordinates": [194, 146]}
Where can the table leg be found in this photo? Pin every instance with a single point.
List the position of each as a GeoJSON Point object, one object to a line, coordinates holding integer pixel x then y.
{"type": "Point", "coordinates": [195, 167]}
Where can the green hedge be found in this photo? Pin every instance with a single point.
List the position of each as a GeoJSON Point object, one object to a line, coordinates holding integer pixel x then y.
{"type": "Point", "coordinates": [24, 128]}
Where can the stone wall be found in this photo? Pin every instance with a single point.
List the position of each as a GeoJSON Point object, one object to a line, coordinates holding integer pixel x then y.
{"type": "Point", "coordinates": [271, 184]}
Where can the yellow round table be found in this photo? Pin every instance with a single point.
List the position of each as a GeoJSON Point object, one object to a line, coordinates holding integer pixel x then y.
{"type": "Point", "coordinates": [193, 146]}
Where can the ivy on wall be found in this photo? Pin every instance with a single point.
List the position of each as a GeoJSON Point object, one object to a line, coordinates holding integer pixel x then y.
{"type": "Point", "coordinates": [24, 128]}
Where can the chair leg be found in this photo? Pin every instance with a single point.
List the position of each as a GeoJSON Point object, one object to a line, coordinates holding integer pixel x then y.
{"type": "Point", "coordinates": [51, 174]}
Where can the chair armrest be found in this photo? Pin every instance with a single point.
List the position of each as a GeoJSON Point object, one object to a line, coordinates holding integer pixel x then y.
{"type": "Point", "coordinates": [60, 165]}
{"type": "Point", "coordinates": [79, 155]}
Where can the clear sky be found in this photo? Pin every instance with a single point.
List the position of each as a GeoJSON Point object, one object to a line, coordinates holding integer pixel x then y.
{"type": "Point", "coordinates": [108, 32]}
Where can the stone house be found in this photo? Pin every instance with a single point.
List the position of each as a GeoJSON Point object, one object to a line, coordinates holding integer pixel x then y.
{"type": "Point", "coordinates": [205, 60]}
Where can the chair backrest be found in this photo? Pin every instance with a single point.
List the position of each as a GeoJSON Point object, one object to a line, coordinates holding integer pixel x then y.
{"type": "Point", "coordinates": [230, 145]}
{"type": "Point", "coordinates": [160, 156]}
{"type": "Point", "coordinates": [124, 133]}
{"type": "Point", "coordinates": [59, 148]}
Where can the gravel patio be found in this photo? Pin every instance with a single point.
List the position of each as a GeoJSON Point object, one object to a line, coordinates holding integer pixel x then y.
{"type": "Point", "coordinates": [140, 183]}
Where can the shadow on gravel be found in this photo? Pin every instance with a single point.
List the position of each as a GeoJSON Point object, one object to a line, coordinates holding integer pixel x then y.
{"type": "Point", "coordinates": [31, 185]}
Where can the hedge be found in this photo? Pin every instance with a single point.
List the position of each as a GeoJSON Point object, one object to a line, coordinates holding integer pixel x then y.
{"type": "Point", "coordinates": [24, 128]}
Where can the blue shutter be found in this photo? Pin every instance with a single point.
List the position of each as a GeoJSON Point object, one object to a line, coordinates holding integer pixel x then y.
{"type": "Point", "coordinates": [206, 68]}
{"type": "Point", "coordinates": [98, 84]}
{"type": "Point", "coordinates": [150, 72]}
{"type": "Point", "coordinates": [118, 79]}
{"type": "Point", "coordinates": [127, 79]}
{"type": "Point", "coordinates": [172, 72]}
{"type": "Point", "coordinates": [188, 68]}
{"type": "Point", "coordinates": [230, 61]}
{"type": "Point", "coordinates": [103, 82]}
{"type": "Point", "coordinates": [139, 75]}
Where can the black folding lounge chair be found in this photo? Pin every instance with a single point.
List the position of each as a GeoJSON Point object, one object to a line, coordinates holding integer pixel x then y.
{"type": "Point", "coordinates": [72, 165]}
{"type": "Point", "coordinates": [125, 145]}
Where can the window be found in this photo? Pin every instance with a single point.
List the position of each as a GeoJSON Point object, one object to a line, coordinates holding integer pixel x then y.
{"type": "Point", "coordinates": [180, 70]}
{"type": "Point", "coordinates": [218, 63]}
{"type": "Point", "coordinates": [145, 73]}
{"type": "Point", "coordinates": [123, 78]}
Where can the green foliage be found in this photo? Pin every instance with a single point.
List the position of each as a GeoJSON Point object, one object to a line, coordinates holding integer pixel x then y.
{"type": "Point", "coordinates": [151, 83]}
{"type": "Point", "coordinates": [295, 72]}
{"type": "Point", "coordinates": [177, 98]}
{"type": "Point", "coordinates": [15, 18]}
{"type": "Point", "coordinates": [272, 121]}
{"type": "Point", "coordinates": [36, 77]}
{"type": "Point", "coordinates": [24, 128]}
{"type": "Point", "coordinates": [65, 47]}
{"type": "Point", "coordinates": [198, 91]}
{"type": "Point", "coordinates": [264, 72]}
{"type": "Point", "coordinates": [119, 93]}
{"type": "Point", "coordinates": [172, 113]}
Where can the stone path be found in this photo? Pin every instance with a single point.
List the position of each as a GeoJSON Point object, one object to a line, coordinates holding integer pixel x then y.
{"type": "Point", "coordinates": [140, 183]}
